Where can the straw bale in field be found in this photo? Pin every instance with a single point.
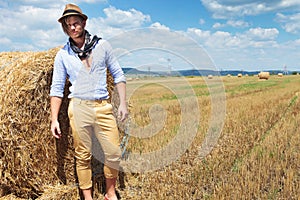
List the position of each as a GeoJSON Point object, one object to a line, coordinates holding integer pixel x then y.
{"type": "Point", "coordinates": [210, 76]}
{"type": "Point", "coordinates": [240, 75]}
{"type": "Point", "coordinates": [280, 74]}
{"type": "Point", "coordinates": [264, 75]}
{"type": "Point", "coordinates": [30, 157]}
{"type": "Point", "coordinates": [228, 75]}
{"type": "Point", "coordinates": [60, 192]}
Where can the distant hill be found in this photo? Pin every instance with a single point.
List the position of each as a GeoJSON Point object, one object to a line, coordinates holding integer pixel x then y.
{"type": "Point", "coordinates": [133, 71]}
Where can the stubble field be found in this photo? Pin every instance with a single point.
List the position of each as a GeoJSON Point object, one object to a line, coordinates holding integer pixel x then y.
{"type": "Point", "coordinates": [257, 155]}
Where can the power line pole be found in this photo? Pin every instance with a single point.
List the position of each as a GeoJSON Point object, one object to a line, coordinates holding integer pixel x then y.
{"type": "Point", "coordinates": [169, 66]}
{"type": "Point", "coordinates": [285, 72]}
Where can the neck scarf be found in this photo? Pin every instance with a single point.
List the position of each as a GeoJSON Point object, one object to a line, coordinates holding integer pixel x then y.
{"type": "Point", "coordinates": [88, 46]}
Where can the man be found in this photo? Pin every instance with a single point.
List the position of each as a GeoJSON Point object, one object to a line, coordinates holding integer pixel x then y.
{"type": "Point", "coordinates": [84, 61]}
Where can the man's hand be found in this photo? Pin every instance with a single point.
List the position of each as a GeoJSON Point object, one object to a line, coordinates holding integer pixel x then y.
{"type": "Point", "coordinates": [55, 106]}
{"type": "Point", "coordinates": [55, 129]}
{"type": "Point", "coordinates": [122, 112]}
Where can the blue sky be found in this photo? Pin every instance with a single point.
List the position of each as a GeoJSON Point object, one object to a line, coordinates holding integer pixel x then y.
{"type": "Point", "coordinates": [160, 34]}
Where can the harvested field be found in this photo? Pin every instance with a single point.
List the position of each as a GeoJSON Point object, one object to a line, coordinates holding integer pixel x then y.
{"type": "Point", "coordinates": [257, 155]}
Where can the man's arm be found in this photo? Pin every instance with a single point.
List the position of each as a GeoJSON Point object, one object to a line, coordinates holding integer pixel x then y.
{"type": "Point", "coordinates": [122, 110]}
{"type": "Point", "coordinates": [55, 106]}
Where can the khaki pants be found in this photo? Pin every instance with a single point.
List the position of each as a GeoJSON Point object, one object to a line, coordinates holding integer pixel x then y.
{"type": "Point", "coordinates": [94, 117]}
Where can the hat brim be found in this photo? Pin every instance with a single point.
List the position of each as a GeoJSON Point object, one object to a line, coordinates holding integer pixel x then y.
{"type": "Point", "coordinates": [69, 14]}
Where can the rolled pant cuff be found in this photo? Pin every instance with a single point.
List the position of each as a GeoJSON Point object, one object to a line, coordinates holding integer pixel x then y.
{"type": "Point", "coordinates": [110, 172]}
{"type": "Point", "coordinates": [86, 186]}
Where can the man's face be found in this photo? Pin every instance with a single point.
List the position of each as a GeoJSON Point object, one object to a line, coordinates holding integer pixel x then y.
{"type": "Point", "coordinates": [75, 26]}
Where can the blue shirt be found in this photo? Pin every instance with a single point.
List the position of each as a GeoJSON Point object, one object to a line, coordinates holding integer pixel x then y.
{"type": "Point", "coordinates": [89, 84]}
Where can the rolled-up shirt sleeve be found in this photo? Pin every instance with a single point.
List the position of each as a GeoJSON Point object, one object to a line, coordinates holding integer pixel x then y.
{"type": "Point", "coordinates": [59, 77]}
{"type": "Point", "coordinates": [113, 65]}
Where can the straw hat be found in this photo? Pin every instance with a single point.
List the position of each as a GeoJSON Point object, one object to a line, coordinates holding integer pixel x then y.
{"type": "Point", "coordinates": [72, 9]}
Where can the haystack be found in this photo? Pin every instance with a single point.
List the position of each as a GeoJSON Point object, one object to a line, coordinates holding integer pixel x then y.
{"type": "Point", "coordinates": [264, 75]}
{"type": "Point", "coordinates": [31, 159]}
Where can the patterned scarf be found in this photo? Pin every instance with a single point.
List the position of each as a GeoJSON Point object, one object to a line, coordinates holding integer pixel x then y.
{"type": "Point", "coordinates": [88, 46]}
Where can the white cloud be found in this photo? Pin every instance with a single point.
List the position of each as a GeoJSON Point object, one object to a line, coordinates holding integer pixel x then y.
{"type": "Point", "coordinates": [159, 26]}
{"type": "Point", "coordinates": [284, 4]}
{"type": "Point", "coordinates": [245, 50]}
{"type": "Point", "coordinates": [231, 23]}
{"type": "Point", "coordinates": [221, 39]}
{"type": "Point", "coordinates": [149, 46]}
{"type": "Point", "coordinates": [37, 3]}
{"type": "Point", "coordinates": [253, 38]}
{"type": "Point", "coordinates": [5, 41]}
{"type": "Point", "coordinates": [291, 23]}
{"type": "Point", "coordinates": [116, 22]}
{"type": "Point", "coordinates": [126, 19]}
{"type": "Point", "coordinates": [297, 42]}
{"type": "Point", "coordinates": [35, 26]}
{"type": "Point", "coordinates": [263, 34]}
{"type": "Point", "coordinates": [99, 27]}
{"type": "Point", "coordinates": [26, 24]}
{"type": "Point", "coordinates": [198, 34]}
{"type": "Point", "coordinates": [201, 21]}
{"type": "Point", "coordinates": [121, 51]}
{"type": "Point", "coordinates": [53, 4]}
{"type": "Point", "coordinates": [237, 23]}
{"type": "Point", "coordinates": [224, 9]}
{"type": "Point", "coordinates": [92, 1]}
{"type": "Point", "coordinates": [217, 40]}
{"type": "Point", "coordinates": [249, 50]}
{"type": "Point", "coordinates": [3, 4]}
{"type": "Point", "coordinates": [218, 25]}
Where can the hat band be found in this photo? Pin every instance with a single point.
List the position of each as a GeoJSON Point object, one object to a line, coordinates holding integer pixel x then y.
{"type": "Point", "coordinates": [71, 11]}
